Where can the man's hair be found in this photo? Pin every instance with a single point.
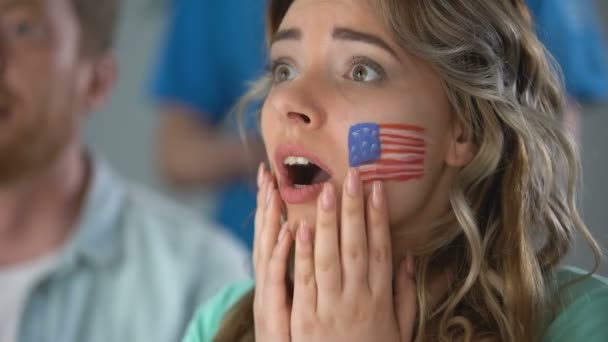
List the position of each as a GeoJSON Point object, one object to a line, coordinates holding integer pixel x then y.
{"type": "Point", "coordinates": [97, 20]}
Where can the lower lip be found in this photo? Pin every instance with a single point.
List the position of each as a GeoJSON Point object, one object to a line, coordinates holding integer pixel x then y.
{"type": "Point", "coordinates": [293, 195]}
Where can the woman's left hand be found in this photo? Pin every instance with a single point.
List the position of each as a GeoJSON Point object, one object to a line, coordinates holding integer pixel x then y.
{"type": "Point", "coordinates": [343, 287]}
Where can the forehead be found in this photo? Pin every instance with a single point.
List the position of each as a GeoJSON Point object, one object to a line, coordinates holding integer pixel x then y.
{"type": "Point", "coordinates": [357, 13]}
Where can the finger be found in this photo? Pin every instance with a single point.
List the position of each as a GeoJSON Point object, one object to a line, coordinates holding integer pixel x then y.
{"type": "Point", "coordinates": [405, 298]}
{"type": "Point", "coordinates": [263, 181]}
{"type": "Point", "coordinates": [275, 292]}
{"type": "Point", "coordinates": [304, 287]}
{"type": "Point", "coordinates": [267, 226]}
{"type": "Point", "coordinates": [271, 225]}
{"type": "Point", "coordinates": [380, 266]}
{"type": "Point", "coordinates": [328, 271]}
{"type": "Point", "coordinates": [353, 239]}
{"type": "Point", "coordinates": [259, 267]}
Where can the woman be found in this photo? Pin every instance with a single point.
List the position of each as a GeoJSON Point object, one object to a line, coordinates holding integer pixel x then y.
{"type": "Point", "coordinates": [427, 186]}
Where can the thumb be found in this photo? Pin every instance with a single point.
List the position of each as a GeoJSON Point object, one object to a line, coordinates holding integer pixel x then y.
{"type": "Point", "coordinates": [405, 298]}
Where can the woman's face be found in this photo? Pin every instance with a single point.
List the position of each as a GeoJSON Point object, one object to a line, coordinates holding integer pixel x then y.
{"type": "Point", "coordinates": [335, 65]}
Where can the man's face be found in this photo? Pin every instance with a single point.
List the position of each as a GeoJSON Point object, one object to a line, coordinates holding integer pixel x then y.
{"type": "Point", "coordinates": [43, 84]}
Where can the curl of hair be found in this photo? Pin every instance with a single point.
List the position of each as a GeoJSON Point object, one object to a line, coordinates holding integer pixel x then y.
{"type": "Point", "coordinates": [514, 213]}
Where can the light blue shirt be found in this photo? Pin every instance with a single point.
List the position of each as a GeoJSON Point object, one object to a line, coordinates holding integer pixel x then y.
{"type": "Point", "coordinates": [135, 269]}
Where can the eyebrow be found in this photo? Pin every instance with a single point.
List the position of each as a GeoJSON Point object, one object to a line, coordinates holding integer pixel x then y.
{"type": "Point", "coordinates": [343, 33]}
{"type": "Point", "coordinates": [339, 33]}
{"type": "Point", "coordinates": [287, 34]}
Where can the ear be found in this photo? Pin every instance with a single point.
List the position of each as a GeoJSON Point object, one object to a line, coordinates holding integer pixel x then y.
{"type": "Point", "coordinates": [461, 150]}
{"type": "Point", "coordinates": [100, 83]}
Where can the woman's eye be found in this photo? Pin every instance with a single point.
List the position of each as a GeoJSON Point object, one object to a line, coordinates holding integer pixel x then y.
{"type": "Point", "coordinates": [283, 72]}
{"type": "Point", "coordinates": [364, 73]}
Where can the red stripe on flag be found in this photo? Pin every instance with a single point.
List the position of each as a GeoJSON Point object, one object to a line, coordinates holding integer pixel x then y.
{"type": "Point", "coordinates": [389, 143]}
{"type": "Point", "coordinates": [417, 161]}
{"type": "Point", "coordinates": [402, 126]}
{"type": "Point", "coordinates": [401, 150]}
{"type": "Point", "coordinates": [401, 137]}
{"type": "Point", "coordinates": [401, 143]}
{"type": "Point", "coordinates": [391, 171]}
{"type": "Point", "coordinates": [373, 178]}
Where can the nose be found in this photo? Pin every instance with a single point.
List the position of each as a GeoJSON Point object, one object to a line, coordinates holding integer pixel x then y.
{"type": "Point", "coordinates": [300, 104]}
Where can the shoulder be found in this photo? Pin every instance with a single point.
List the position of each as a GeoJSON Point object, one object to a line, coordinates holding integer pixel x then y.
{"type": "Point", "coordinates": [207, 320]}
{"type": "Point", "coordinates": [582, 307]}
{"type": "Point", "coordinates": [155, 214]}
{"type": "Point", "coordinates": [165, 233]}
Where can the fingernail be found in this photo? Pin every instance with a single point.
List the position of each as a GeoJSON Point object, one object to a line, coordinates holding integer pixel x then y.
{"type": "Point", "coordinates": [260, 174]}
{"type": "Point", "coordinates": [328, 198]}
{"type": "Point", "coordinates": [352, 182]}
{"type": "Point", "coordinates": [410, 265]}
{"type": "Point", "coordinates": [377, 194]}
{"type": "Point", "coordinates": [304, 233]}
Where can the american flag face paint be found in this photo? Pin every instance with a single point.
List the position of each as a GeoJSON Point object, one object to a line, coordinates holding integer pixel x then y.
{"type": "Point", "coordinates": [387, 151]}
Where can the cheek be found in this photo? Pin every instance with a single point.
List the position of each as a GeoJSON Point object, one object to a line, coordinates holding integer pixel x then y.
{"type": "Point", "coordinates": [267, 127]}
{"type": "Point", "coordinates": [407, 200]}
{"type": "Point", "coordinates": [388, 151]}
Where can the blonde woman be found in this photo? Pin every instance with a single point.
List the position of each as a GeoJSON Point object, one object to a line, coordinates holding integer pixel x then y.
{"type": "Point", "coordinates": [426, 186]}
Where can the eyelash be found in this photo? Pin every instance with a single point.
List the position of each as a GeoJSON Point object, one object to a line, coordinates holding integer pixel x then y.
{"type": "Point", "coordinates": [274, 64]}
{"type": "Point", "coordinates": [368, 62]}
{"type": "Point", "coordinates": [354, 61]}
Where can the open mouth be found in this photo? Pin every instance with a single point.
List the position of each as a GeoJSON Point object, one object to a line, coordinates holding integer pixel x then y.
{"type": "Point", "coordinates": [301, 174]}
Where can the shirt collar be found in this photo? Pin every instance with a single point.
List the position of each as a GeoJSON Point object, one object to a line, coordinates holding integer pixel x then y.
{"type": "Point", "coordinates": [96, 233]}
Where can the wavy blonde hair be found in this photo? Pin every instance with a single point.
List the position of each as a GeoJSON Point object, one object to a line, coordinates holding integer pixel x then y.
{"type": "Point", "coordinates": [514, 213]}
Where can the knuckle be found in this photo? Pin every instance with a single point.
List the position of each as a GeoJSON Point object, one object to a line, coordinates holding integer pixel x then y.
{"type": "Point", "coordinates": [380, 254]}
{"type": "Point", "coordinates": [376, 220]}
{"type": "Point", "coordinates": [354, 254]}
{"type": "Point", "coordinates": [352, 210]}
{"type": "Point", "coordinates": [356, 313]}
{"type": "Point", "coordinates": [325, 264]}
{"type": "Point", "coordinates": [326, 221]}
{"type": "Point", "coordinates": [306, 278]}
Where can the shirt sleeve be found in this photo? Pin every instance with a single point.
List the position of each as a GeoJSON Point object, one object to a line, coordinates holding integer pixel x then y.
{"type": "Point", "coordinates": [584, 316]}
{"type": "Point", "coordinates": [572, 32]}
{"type": "Point", "coordinates": [207, 320]}
{"type": "Point", "coordinates": [185, 72]}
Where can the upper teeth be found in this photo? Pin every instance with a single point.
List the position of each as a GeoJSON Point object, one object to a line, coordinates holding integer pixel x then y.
{"type": "Point", "coordinates": [296, 161]}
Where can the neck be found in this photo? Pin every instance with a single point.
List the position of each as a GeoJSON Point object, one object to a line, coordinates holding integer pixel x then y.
{"type": "Point", "coordinates": [38, 214]}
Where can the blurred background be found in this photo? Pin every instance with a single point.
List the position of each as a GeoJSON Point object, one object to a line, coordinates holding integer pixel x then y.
{"type": "Point", "coordinates": [124, 131]}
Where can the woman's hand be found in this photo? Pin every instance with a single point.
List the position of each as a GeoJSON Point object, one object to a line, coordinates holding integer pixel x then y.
{"type": "Point", "coordinates": [271, 246]}
{"type": "Point", "coordinates": [343, 287]}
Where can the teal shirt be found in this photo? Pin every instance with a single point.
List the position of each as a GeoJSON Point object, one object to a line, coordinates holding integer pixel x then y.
{"type": "Point", "coordinates": [135, 270]}
{"type": "Point", "coordinates": [583, 315]}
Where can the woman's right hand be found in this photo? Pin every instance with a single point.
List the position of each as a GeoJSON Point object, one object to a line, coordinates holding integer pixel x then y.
{"type": "Point", "coordinates": [271, 305]}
